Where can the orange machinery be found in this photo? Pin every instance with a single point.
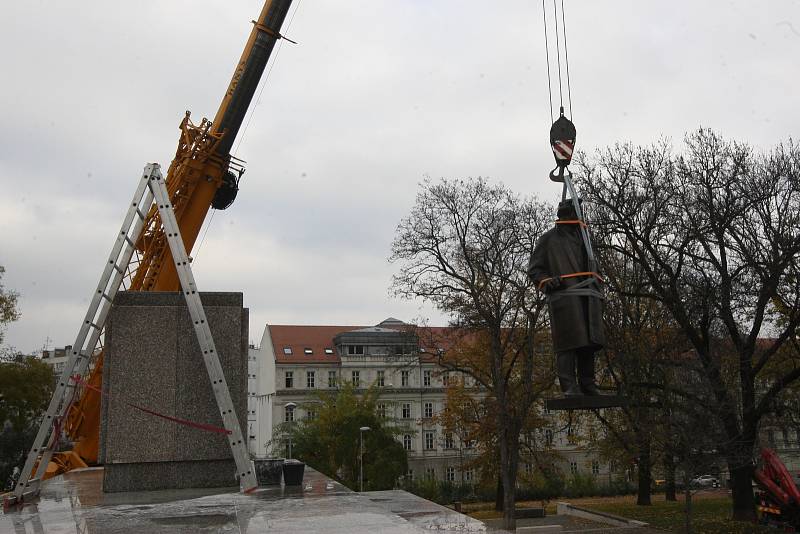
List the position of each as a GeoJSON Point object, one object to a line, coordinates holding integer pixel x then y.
{"type": "Point", "coordinates": [202, 175]}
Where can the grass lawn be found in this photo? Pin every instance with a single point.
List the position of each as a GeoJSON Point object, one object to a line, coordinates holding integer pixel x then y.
{"type": "Point", "coordinates": [711, 512]}
{"type": "Point", "coordinates": [710, 515]}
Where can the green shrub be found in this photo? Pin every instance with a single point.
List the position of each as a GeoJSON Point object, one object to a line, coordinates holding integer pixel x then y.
{"type": "Point", "coordinates": [579, 485]}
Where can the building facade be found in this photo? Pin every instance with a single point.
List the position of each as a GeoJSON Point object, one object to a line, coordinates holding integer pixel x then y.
{"type": "Point", "coordinates": [293, 363]}
{"type": "Point", "coordinates": [57, 359]}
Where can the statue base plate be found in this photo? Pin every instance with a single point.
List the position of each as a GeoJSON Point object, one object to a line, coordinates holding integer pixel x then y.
{"type": "Point", "coordinates": [586, 402]}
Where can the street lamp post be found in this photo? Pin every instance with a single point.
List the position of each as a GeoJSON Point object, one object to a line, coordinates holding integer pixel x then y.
{"type": "Point", "coordinates": [292, 406]}
{"type": "Point", "coordinates": [361, 458]}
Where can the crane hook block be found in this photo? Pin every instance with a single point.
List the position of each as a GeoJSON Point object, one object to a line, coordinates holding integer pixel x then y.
{"type": "Point", "coordinates": [562, 141]}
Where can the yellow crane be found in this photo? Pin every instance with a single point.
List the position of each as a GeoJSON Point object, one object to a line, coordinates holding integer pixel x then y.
{"type": "Point", "coordinates": [202, 175]}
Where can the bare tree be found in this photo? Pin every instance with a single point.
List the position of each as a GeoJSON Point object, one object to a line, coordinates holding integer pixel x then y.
{"type": "Point", "coordinates": [715, 231]}
{"type": "Point", "coordinates": [464, 248]}
{"type": "Point", "coordinates": [638, 357]}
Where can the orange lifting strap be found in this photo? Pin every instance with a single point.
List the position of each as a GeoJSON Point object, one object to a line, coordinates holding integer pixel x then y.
{"type": "Point", "coordinates": [573, 275]}
{"type": "Point", "coordinates": [576, 221]}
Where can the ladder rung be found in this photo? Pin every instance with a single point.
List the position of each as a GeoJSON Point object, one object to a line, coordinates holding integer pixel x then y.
{"type": "Point", "coordinates": [141, 215]}
{"type": "Point", "coordinates": [130, 242]}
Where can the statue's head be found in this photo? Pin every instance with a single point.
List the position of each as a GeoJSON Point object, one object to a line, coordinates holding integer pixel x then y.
{"type": "Point", "coordinates": [566, 210]}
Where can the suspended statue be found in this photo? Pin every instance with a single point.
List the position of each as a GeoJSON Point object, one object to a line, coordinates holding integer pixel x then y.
{"type": "Point", "coordinates": [563, 266]}
{"type": "Point", "coordinates": [559, 266]}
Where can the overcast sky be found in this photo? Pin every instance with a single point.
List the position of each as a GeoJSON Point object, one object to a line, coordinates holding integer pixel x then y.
{"type": "Point", "coordinates": [377, 95]}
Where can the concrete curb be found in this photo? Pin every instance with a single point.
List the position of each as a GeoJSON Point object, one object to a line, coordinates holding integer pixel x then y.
{"type": "Point", "coordinates": [565, 508]}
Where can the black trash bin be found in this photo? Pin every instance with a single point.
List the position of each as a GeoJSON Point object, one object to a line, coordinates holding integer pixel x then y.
{"type": "Point", "coordinates": [293, 472]}
{"type": "Point", "coordinates": [269, 471]}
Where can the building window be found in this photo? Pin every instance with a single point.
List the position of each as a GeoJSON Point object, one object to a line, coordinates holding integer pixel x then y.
{"type": "Point", "coordinates": [449, 443]}
{"type": "Point", "coordinates": [430, 473]}
{"type": "Point", "coordinates": [450, 474]}
{"type": "Point", "coordinates": [428, 410]}
{"type": "Point", "coordinates": [328, 350]}
{"type": "Point", "coordinates": [331, 379]}
{"type": "Point", "coordinates": [311, 414]}
{"type": "Point", "coordinates": [528, 468]}
{"type": "Point", "coordinates": [595, 467]}
{"type": "Point", "coordinates": [381, 410]}
{"type": "Point", "coordinates": [429, 441]}
{"type": "Point", "coordinates": [468, 475]}
{"type": "Point", "coordinates": [410, 474]}
{"type": "Point", "coordinates": [404, 378]}
{"type": "Point", "coordinates": [356, 378]}
{"type": "Point", "coordinates": [426, 378]}
{"type": "Point", "coordinates": [468, 444]}
{"type": "Point", "coordinates": [288, 414]}
{"type": "Point", "coordinates": [355, 349]}
{"type": "Point", "coordinates": [308, 350]}
{"type": "Point", "coordinates": [407, 442]}
{"type": "Point", "coordinates": [573, 468]}
{"type": "Point", "coordinates": [289, 379]}
{"type": "Point", "coordinates": [548, 436]}
{"type": "Point", "coordinates": [287, 351]}
{"type": "Point", "coordinates": [406, 411]}
{"type": "Point", "coordinates": [381, 381]}
{"type": "Point", "coordinates": [310, 379]}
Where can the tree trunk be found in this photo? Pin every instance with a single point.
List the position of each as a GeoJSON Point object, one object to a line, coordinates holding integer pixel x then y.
{"type": "Point", "coordinates": [498, 495]}
{"type": "Point", "coordinates": [744, 505]}
{"type": "Point", "coordinates": [509, 447]}
{"type": "Point", "coordinates": [687, 502]}
{"type": "Point", "coordinates": [643, 497]}
{"type": "Point", "coordinates": [509, 494]}
{"type": "Point", "coordinates": [669, 476]}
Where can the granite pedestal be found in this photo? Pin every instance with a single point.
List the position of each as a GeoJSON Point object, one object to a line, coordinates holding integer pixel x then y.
{"type": "Point", "coordinates": [153, 360]}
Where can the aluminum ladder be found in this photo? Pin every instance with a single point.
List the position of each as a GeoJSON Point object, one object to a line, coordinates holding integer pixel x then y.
{"type": "Point", "coordinates": [151, 187]}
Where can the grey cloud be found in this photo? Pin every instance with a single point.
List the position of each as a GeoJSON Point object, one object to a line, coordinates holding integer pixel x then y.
{"type": "Point", "coordinates": [376, 95]}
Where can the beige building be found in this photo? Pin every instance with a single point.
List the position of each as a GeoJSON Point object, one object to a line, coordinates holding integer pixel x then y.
{"type": "Point", "coordinates": [294, 362]}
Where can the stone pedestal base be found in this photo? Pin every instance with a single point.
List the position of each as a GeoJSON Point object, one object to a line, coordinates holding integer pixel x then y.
{"type": "Point", "coordinates": [152, 359]}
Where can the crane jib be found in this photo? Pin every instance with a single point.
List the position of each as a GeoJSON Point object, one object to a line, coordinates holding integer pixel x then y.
{"type": "Point", "coordinates": [248, 73]}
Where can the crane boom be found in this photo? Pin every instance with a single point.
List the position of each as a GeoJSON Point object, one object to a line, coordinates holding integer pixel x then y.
{"type": "Point", "coordinates": [202, 169]}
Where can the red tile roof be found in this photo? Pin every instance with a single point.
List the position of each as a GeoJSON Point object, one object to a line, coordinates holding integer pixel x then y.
{"type": "Point", "coordinates": [301, 337]}
{"type": "Point", "coordinates": [318, 338]}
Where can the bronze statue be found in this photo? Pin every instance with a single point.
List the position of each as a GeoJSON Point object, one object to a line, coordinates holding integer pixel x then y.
{"type": "Point", "coordinates": [561, 268]}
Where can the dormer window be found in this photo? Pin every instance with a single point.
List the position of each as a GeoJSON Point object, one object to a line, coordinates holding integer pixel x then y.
{"type": "Point", "coordinates": [328, 350]}
{"type": "Point", "coordinates": [355, 349]}
{"type": "Point", "coordinates": [308, 351]}
{"type": "Point", "coordinates": [287, 351]}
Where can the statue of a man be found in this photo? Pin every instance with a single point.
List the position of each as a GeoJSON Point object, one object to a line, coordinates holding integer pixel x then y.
{"type": "Point", "coordinates": [575, 304]}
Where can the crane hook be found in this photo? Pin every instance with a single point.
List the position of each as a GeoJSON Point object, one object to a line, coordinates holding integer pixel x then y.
{"type": "Point", "coordinates": [562, 141]}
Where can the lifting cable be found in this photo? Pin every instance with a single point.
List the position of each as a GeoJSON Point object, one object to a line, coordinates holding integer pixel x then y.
{"type": "Point", "coordinates": [562, 142]}
{"type": "Point", "coordinates": [566, 58]}
{"type": "Point", "coordinates": [562, 132]}
{"type": "Point", "coordinates": [560, 36]}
